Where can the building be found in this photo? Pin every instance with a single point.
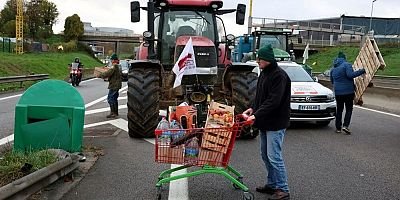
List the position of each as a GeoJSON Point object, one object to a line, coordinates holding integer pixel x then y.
{"type": "Point", "coordinates": [106, 31]}
{"type": "Point", "coordinates": [384, 29]}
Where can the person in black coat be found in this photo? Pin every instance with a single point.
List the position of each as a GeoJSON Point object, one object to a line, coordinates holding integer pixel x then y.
{"type": "Point", "coordinates": [271, 114]}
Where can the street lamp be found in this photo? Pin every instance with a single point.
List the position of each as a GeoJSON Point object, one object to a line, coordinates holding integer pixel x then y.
{"type": "Point", "coordinates": [370, 20]}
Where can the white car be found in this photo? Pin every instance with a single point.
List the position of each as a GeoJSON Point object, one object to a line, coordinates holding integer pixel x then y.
{"type": "Point", "coordinates": [310, 100]}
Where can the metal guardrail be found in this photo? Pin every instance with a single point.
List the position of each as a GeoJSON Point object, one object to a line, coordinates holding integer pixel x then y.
{"type": "Point", "coordinates": [307, 25]}
{"type": "Point", "coordinates": [21, 79]}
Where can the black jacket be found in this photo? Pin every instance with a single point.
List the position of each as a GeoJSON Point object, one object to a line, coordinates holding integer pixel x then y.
{"type": "Point", "coordinates": [272, 102]}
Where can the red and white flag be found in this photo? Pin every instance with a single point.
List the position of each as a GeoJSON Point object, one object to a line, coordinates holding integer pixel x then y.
{"type": "Point", "coordinates": [186, 63]}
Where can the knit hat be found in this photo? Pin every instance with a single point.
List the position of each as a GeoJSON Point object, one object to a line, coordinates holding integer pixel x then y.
{"type": "Point", "coordinates": [341, 55]}
{"type": "Point", "coordinates": [114, 57]}
{"type": "Point", "coordinates": [266, 53]}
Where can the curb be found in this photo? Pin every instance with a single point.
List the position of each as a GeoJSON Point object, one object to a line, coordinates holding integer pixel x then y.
{"type": "Point", "coordinates": [30, 184]}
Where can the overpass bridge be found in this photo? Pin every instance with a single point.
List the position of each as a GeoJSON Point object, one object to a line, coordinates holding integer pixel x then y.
{"type": "Point", "coordinates": [306, 25]}
{"type": "Point", "coordinates": [116, 39]}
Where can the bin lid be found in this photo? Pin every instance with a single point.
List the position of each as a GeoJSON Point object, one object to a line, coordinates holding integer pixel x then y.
{"type": "Point", "coordinates": [52, 93]}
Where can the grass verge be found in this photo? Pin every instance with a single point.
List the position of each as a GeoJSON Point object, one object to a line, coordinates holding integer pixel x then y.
{"type": "Point", "coordinates": [15, 165]}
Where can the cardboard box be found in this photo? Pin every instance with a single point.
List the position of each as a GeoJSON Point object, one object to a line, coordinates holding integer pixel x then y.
{"type": "Point", "coordinates": [218, 132]}
{"type": "Point", "coordinates": [99, 70]}
{"type": "Point", "coordinates": [208, 157]}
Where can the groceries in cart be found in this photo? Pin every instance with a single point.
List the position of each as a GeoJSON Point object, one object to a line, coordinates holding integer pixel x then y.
{"type": "Point", "coordinates": [182, 144]}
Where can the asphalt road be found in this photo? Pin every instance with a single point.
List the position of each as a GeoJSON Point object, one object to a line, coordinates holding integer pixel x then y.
{"type": "Point", "coordinates": [321, 164]}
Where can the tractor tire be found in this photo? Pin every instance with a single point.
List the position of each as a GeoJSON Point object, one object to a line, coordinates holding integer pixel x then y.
{"type": "Point", "coordinates": [243, 90]}
{"type": "Point", "coordinates": [143, 102]}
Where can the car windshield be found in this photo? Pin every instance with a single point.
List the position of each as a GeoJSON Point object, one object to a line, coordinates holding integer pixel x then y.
{"type": "Point", "coordinates": [124, 64]}
{"type": "Point", "coordinates": [297, 73]}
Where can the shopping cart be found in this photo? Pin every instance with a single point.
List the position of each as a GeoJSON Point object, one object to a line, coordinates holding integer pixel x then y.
{"type": "Point", "coordinates": [213, 153]}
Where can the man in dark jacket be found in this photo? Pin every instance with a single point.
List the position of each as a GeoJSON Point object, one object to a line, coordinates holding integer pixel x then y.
{"type": "Point", "coordinates": [114, 84]}
{"type": "Point", "coordinates": [271, 113]}
{"type": "Point", "coordinates": [342, 76]}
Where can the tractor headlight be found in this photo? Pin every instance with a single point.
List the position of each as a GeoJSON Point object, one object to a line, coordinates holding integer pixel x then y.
{"type": "Point", "coordinates": [147, 34]}
{"type": "Point", "coordinates": [230, 37]}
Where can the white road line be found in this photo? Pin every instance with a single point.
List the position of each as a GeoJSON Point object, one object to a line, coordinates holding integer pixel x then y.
{"type": "Point", "coordinates": [101, 99]}
{"type": "Point", "coordinates": [4, 98]}
{"type": "Point", "coordinates": [377, 111]}
{"type": "Point", "coordinates": [18, 95]}
{"type": "Point", "coordinates": [100, 110]}
{"type": "Point", "coordinates": [178, 189]}
{"type": "Point", "coordinates": [7, 139]}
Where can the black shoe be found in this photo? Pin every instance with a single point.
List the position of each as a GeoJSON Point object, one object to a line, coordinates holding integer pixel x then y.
{"type": "Point", "coordinates": [346, 130]}
{"type": "Point", "coordinates": [265, 189]}
{"type": "Point", "coordinates": [280, 195]}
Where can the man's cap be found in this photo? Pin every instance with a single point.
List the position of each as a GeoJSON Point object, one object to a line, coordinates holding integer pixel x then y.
{"type": "Point", "coordinates": [266, 53]}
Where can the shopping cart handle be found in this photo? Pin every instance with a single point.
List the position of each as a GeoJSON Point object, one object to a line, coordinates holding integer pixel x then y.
{"type": "Point", "coordinates": [243, 118]}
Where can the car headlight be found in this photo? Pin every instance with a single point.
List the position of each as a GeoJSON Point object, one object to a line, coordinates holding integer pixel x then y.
{"type": "Point", "coordinates": [125, 71]}
{"type": "Point", "coordinates": [331, 97]}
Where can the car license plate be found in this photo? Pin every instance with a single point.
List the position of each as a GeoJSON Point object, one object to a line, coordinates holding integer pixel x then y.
{"type": "Point", "coordinates": [308, 107]}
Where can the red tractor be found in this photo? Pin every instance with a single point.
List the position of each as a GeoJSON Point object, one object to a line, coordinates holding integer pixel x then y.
{"type": "Point", "coordinates": [150, 80]}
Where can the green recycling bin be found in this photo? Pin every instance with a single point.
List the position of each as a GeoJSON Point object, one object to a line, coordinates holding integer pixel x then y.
{"type": "Point", "coordinates": [50, 114]}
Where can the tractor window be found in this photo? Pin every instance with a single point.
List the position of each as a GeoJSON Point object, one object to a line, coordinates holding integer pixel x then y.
{"type": "Point", "coordinates": [220, 29]}
{"type": "Point", "coordinates": [276, 41]}
{"type": "Point", "coordinates": [184, 23]}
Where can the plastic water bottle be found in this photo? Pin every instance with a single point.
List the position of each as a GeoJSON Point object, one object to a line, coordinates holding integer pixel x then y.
{"type": "Point", "coordinates": [176, 134]}
{"type": "Point", "coordinates": [165, 137]}
{"type": "Point", "coordinates": [192, 151]}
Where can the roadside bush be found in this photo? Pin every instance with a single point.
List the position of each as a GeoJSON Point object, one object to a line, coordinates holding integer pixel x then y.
{"type": "Point", "coordinates": [67, 46]}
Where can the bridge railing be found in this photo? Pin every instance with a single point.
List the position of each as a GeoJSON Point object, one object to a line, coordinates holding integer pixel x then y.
{"type": "Point", "coordinates": [307, 25]}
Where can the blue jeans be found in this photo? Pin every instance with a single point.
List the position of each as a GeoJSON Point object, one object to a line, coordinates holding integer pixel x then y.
{"type": "Point", "coordinates": [112, 97]}
{"type": "Point", "coordinates": [271, 153]}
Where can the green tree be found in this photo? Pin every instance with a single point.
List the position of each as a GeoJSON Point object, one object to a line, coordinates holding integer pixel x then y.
{"type": "Point", "coordinates": [41, 15]}
{"type": "Point", "coordinates": [73, 28]}
{"type": "Point", "coordinates": [8, 29]}
{"type": "Point", "coordinates": [8, 13]}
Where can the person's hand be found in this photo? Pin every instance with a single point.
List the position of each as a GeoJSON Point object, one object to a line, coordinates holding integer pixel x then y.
{"type": "Point", "coordinates": [248, 111]}
{"type": "Point", "coordinates": [251, 118]}
{"type": "Point", "coordinates": [363, 71]}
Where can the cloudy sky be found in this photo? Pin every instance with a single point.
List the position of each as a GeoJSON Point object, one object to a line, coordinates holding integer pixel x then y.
{"type": "Point", "coordinates": [116, 13]}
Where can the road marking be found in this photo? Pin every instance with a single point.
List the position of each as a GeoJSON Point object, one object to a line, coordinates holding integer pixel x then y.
{"type": "Point", "coordinates": [18, 95]}
{"type": "Point", "coordinates": [178, 189]}
{"type": "Point", "coordinates": [377, 111]}
{"type": "Point", "coordinates": [119, 98]}
{"type": "Point", "coordinates": [101, 99]}
{"type": "Point", "coordinates": [100, 110]}
{"type": "Point", "coordinates": [7, 139]}
{"type": "Point", "coordinates": [4, 98]}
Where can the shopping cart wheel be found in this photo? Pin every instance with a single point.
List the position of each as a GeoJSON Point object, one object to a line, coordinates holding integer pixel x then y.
{"type": "Point", "coordinates": [240, 179]}
{"type": "Point", "coordinates": [248, 196]}
{"type": "Point", "coordinates": [158, 193]}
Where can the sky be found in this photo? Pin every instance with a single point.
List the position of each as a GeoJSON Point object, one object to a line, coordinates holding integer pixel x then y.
{"type": "Point", "coordinates": [116, 13]}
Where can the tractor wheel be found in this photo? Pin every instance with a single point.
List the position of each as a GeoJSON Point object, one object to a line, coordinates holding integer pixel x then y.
{"type": "Point", "coordinates": [243, 87]}
{"type": "Point", "coordinates": [143, 102]}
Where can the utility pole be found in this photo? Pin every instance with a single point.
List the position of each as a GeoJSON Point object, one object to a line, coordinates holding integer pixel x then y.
{"type": "Point", "coordinates": [370, 20]}
{"type": "Point", "coordinates": [250, 17]}
{"type": "Point", "coordinates": [19, 27]}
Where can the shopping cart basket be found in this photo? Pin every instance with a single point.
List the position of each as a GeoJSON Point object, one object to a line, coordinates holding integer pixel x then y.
{"type": "Point", "coordinates": [212, 153]}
